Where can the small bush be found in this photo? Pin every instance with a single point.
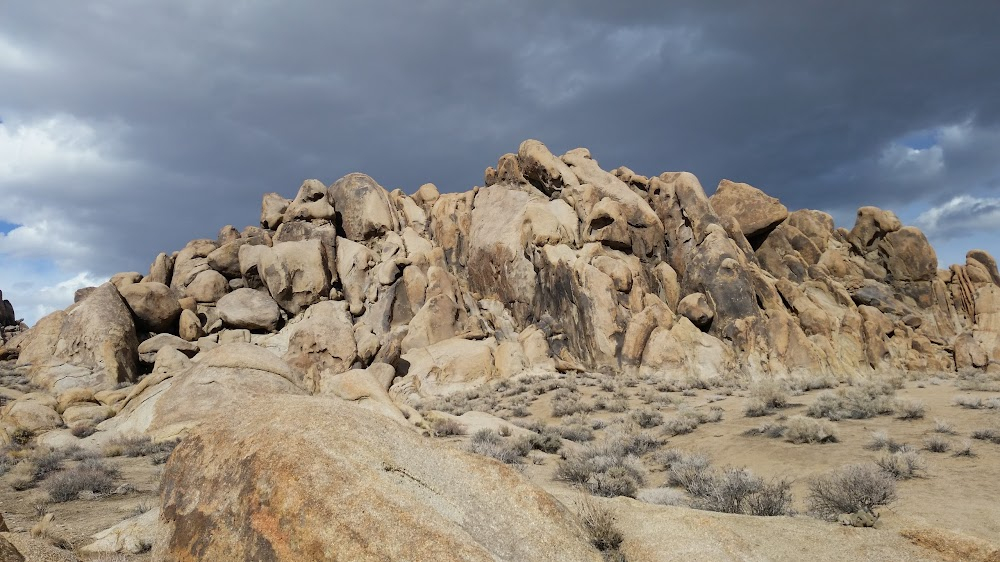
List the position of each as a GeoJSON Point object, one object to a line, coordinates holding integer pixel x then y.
{"type": "Point", "coordinates": [902, 465]}
{"type": "Point", "coordinates": [738, 490]}
{"type": "Point", "coordinates": [21, 436]}
{"type": "Point", "coordinates": [806, 430]}
{"type": "Point", "coordinates": [442, 427]}
{"type": "Point", "coordinates": [976, 403]}
{"type": "Point", "coordinates": [45, 463]}
{"type": "Point", "coordinates": [881, 440]}
{"type": "Point", "coordinates": [489, 443]}
{"type": "Point", "coordinates": [136, 446]}
{"type": "Point", "coordinates": [604, 469]}
{"type": "Point", "coordinates": [941, 426]}
{"type": "Point", "coordinates": [910, 410]}
{"type": "Point", "coordinates": [82, 430]}
{"type": "Point", "coordinates": [851, 489]}
{"type": "Point", "coordinates": [773, 431]}
{"type": "Point", "coordinates": [576, 432]}
{"type": "Point", "coordinates": [989, 434]}
{"type": "Point", "coordinates": [600, 524]}
{"type": "Point", "coordinates": [647, 418]}
{"type": "Point", "coordinates": [859, 402]}
{"type": "Point", "coordinates": [937, 444]}
{"type": "Point", "coordinates": [690, 471]}
{"type": "Point", "coordinates": [90, 475]}
{"type": "Point", "coordinates": [964, 450]}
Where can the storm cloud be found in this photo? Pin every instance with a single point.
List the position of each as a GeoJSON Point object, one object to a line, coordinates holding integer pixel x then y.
{"type": "Point", "coordinates": [130, 128]}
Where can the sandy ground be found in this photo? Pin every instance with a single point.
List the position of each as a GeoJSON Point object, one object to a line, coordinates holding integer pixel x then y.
{"type": "Point", "coordinates": [959, 496]}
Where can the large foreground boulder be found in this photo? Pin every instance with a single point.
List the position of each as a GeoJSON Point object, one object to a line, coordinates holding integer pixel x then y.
{"type": "Point", "coordinates": [310, 478]}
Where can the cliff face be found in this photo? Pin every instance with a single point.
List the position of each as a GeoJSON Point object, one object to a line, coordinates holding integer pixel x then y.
{"type": "Point", "coordinates": [559, 264]}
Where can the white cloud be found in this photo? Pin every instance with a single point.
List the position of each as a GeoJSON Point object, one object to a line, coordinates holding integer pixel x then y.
{"type": "Point", "coordinates": [962, 216]}
{"type": "Point", "coordinates": [37, 290]}
{"type": "Point", "coordinates": [13, 57]}
{"type": "Point", "coordinates": [58, 145]}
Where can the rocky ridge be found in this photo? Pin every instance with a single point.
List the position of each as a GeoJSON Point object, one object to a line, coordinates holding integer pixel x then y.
{"type": "Point", "coordinates": [354, 293]}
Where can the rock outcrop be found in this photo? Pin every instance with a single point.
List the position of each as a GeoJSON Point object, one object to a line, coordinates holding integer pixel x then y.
{"type": "Point", "coordinates": [366, 488]}
{"type": "Point", "coordinates": [554, 264]}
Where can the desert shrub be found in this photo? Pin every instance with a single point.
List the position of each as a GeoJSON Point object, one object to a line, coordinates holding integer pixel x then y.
{"type": "Point", "coordinates": [21, 436]}
{"type": "Point", "coordinates": [977, 403]}
{"type": "Point", "coordinates": [910, 410]}
{"type": "Point", "coordinates": [812, 382]}
{"type": "Point", "coordinates": [576, 432]}
{"type": "Point", "coordinates": [82, 430]}
{"type": "Point", "coordinates": [881, 440]}
{"type": "Point", "coordinates": [546, 441]}
{"type": "Point", "coordinates": [568, 404]}
{"type": "Point", "coordinates": [646, 418]}
{"type": "Point", "coordinates": [136, 446]}
{"type": "Point", "coordinates": [604, 469]}
{"type": "Point", "coordinates": [964, 450]}
{"type": "Point", "coordinates": [771, 430]}
{"type": "Point", "coordinates": [44, 463]}
{"type": "Point", "coordinates": [987, 434]}
{"type": "Point", "coordinates": [690, 471]}
{"type": "Point", "coordinates": [599, 521]}
{"type": "Point", "coordinates": [806, 430]}
{"type": "Point", "coordinates": [902, 465]}
{"type": "Point", "coordinates": [936, 444]}
{"type": "Point", "coordinates": [490, 443]}
{"type": "Point", "coordinates": [90, 475]}
{"type": "Point", "coordinates": [850, 489]}
{"type": "Point", "coordinates": [771, 393]}
{"type": "Point", "coordinates": [941, 426]}
{"type": "Point", "coordinates": [859, 402]}
{"type": "Point", "coordinates": [739, 490]}
{"type": "Point", "coordinates": [7, 462]}
{"type": "Point", "coordinates": [442, 427]}
{"type": "Point", "coordinates": [635, 443]}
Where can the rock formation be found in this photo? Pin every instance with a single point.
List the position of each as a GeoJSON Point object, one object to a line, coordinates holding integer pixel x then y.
{"type": "Point", "coordinates": [381, 298]}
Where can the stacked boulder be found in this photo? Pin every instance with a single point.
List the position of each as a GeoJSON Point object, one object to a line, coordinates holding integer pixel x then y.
{"type": "Point", "coordinates": [382, 298]}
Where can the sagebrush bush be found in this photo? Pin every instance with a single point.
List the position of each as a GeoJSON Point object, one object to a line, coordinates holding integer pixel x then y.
{"type": "Point", "coordinates": [443, 427]}
{"type": "Point", "coordinates": [739, 490]}
{"type": "Point", "coordinates": [646, 418]}
{"type": "Point", "coordinates": [662, 496]}
{"type": "Point", "coordinates": [600, 524]}
{"type": "Point", "coordinates": [902, 465]}
{"type": "Point", "coordinates": [859, 402]}
{"type": "Point", "coordinates": [941, 426]}
{"type": "Point", "coordinates": [605, 469]}
{"type": "Point", "coordinates": [90, 475]}
{"type": "Point", "coordinates": [851, 489]}
{"type": "Point", "coordinates": [910, 410]}
{"type": "Point", "coordinates": [881, 440]}
{"type": "Point", "coordinates": [490, 443]}
{"type": "Point", "coordinates": [936, 444]}
{"type": "Point", "coordinates": [987, 434]}
{"type": "Point", "coordinates": [807, 430]}
{"type": "Point", "coordinates": [576, 432]}
{"type": "Point", "coordinates": [137, 446]}
{"type": "Point", "coordinates": [964, 450]}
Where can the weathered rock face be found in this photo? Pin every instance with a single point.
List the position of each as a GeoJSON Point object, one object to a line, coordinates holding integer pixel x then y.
{"type": "Point", "coordinates": [554, 264]}
{"type": "Point", "coordinates": [96, 335]}
{"type": "Point", "coordinates": [367, 489]}
{"type": "Point", "coordinates": [7, 317]}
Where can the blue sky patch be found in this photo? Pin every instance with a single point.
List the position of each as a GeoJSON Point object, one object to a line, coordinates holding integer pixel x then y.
{"type": "Point", "coordinates": [6, 227]}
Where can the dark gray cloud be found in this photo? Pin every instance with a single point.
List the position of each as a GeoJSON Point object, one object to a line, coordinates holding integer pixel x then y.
{"type": "Point", "coordinates": [169, 120]}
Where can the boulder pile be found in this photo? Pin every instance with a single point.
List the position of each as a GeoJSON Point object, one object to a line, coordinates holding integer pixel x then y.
{"type": "Point", "coordinates": [9, 324]}
{"type": "Point", "coordinates": [554, 264]}
{"type": "Point", "coordinates": [355, 293]}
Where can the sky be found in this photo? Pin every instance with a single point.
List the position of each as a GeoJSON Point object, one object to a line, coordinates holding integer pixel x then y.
{"type": "Point", "coordinates": [129, 128]}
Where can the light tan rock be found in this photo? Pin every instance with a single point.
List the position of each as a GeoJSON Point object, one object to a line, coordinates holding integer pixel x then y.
{"type": "Point", "coordinates": [423, 501]}
{"type": "Point", "coordinates": [162, 269]}
{"type": "Point", "coordinates": [272, 210]}
{"type": "Point", "coordinates": [295, 273]}
{"type": "Point", "coordinates": [311, 203]}
{"type": "Point", "coordinates": [249, 309]}
{"type": "Point", "coordinates": [120, 280]}
{"type": "Point", "coordinates": [89, 414]}
{"type": "Point", "coordinates": [132, 536]}
{"type": "Point", "coordinates": [31, 415]}
{"type": "Point", "coordinates": [542, 169]}
{"type": "Point", "coordinates": [436, 321]}
{"type": "Point", "coordinates": [322, 342]}
{"type": "Point", "coordinates": [155, 306]}
{"type": "Point", "coordinates": [364, 387]}
{"type": "Point", "coordinates": [207, 286]}
{"type": "Point", "coordinates": [168, 404]}
{"type": "Point", "coordinates": [364, 208]}
{"type": "Point", "coordinates": [756, 212]}
{"type": "Point", "coordinates": [96, 334]}
{"type": "Point", "coordinates": [426, 194]}
{"type": "Point", "coordinates": [446, 367]}
{"type": "Point", "coordinates": [189, 326]}
{"type": "Point", "coordinates": [150, 347]}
